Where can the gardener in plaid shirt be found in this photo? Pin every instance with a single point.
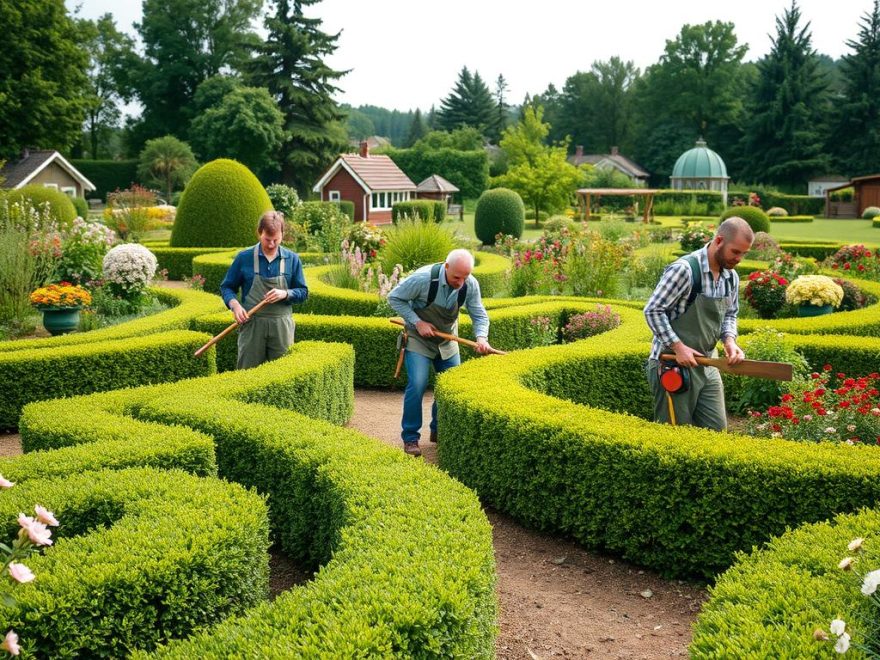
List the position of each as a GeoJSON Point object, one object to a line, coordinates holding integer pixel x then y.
{"type": "Point", "coordinates": [694, 305]}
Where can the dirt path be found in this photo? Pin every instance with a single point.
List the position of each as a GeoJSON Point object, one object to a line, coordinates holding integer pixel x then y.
{"type": "Point", "coordinates": [556, 599]}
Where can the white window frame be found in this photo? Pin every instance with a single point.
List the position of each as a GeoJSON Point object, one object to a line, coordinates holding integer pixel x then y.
{"type": "Point", "coordinates": [381, 200]}
{"type": "Point", "coordinates": [53, 186]}
{"type": "Point", "coordinates": [334, 196]}
{"type": "Point", "coordinates": [70, 191]}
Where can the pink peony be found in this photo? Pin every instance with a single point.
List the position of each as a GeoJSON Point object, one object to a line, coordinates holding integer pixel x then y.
{"type": "Point", "coordinates": [5, 483]}
{"type": "Point", "coordinates": [20, 572]}
{"type": "Point", "coordinates": [37, 532]}
{"type": "Point", "coordinates": [10, 643]}
{"type": "Point", "coordinates": [45, 517]}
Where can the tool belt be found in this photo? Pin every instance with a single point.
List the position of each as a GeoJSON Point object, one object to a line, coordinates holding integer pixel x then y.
{"type": "Point", "coordinates": [674, 378]}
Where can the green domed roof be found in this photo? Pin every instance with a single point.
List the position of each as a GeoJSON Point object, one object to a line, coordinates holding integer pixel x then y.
{"type": "Point", "coordinates": [699, 163]}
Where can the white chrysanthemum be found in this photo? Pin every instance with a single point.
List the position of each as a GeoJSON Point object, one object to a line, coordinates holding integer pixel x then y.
{"type": "Point", "coordinates": [130, 266]}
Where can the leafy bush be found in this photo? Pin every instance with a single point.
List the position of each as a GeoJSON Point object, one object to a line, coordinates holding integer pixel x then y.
{"type": "Point", "coordinates": [220, 206]}
{"type": "Point", "coordinates": [82, 251]}
{"type": "Point", "coordinates": [81, 206]}
{"type": "Point", "coordinates": [765, 291]}
{"type": "Point", "coordinates": [695, 236]}
{"type": "Point", "coordinates": [423, 209]}
{"type": "Point", "coordinates": [283, 198]}
{"type": "Point", "coordinates": [777, 212]}
{"type": "Point", "coordinates": [466, 170]}
{"type": "Point", "coordinates": [589, 324]}
{"type": "Point", "coordinates": [62, 209]}
{"type": "Point", "coordinates": [325, 221]}
{"type": "Point", "coordinates": [413, 243]}
{"type": "Point", "coordinates": [593, 267]}
{"type": "Point", "coordinates": [347, 207]}
{"type": "Point", "coordinates": [541, 332]}
{"type": "Point", "coordinates": [756, 218]}
{"type": "Point", "coordinates": [688, 202]}
{"type": "Point", "coordinates": [499, 211]}
{"type": "Point", "coordinates": [763, 248]}
{"type": "Point", "coordinates": [644, 270]}
{"type": "Point", "coordinates": [870, 213]}
{"type": "Point", "coordinates": [853, 297]}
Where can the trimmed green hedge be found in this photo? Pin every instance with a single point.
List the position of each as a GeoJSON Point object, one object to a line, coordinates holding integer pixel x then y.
{"type": "Point", "coordinates": [108, 175]}
{"type": "Point", "coordinates": [770, 602]}
{"type": "Point", "coordinates": [179, 261]}
{"type": "Point", "coordinates": [411, 577]}
{"type": "Point", "coordinates": [169, 554]}
{"type": "Point", "coordinates": [466, 170]}
{"type": "Point", "coordinates": [213, 266]}
{"type": "Point", "coordinates": [791, 218]}
{"type": "Point", "coordinates": [817, 250]}
{"type": "Point", "coordinates": [423, 209]}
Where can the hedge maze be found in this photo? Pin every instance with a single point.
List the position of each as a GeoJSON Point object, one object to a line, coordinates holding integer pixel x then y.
{"type": "Point", "coordinates": [560, 441]}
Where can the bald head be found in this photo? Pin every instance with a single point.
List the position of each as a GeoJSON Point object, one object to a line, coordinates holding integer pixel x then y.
{"type": "Point", "coordinates": [459, 264]}
{"type": "Point", "coordinates": [735, 227]}
{"type": "Point", "coordinates": [731, 243]}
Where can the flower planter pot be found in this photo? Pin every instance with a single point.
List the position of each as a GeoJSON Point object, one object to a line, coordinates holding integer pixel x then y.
{"type": "Point", "coordinates": [806, 309]}
{"type": "Point", "coordinates": [60, 320]}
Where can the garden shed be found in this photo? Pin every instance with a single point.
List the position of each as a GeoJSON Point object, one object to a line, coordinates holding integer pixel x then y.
{"type": "Point", "coordinates": [866, 192]}
{"type": "Point", "coordinates": [374, 183]}
{"type": "Point", "coordinates": [700, 168]}
{"type": "Point", "coordinates": [46, 168]}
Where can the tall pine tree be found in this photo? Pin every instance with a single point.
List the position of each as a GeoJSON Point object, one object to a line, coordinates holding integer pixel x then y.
{"type": "Point", "coordinates": [417, 129]}
{"type": "Point", "coordinates": [785, 136]}
{"type": "Point", "coordinates": [856, 133]}
{"type": "Point", "coordinates": [468, 104]}
{"type": "Point", "coordinates": [502, 110]}
{"type": "Point", "coordinates": [291, 65]}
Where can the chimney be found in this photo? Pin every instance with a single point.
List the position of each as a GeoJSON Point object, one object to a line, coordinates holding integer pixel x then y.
{"type": "Point", "coordinates": [365, 149]}
{"type": "Point", "coordinates": [579, 151]}
{"type": "Point", "coordinates": [614, 151]}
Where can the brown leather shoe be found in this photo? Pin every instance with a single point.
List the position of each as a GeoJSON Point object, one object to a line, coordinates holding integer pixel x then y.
{"type": "Point", "coordinates": [433, 436]}
{"type": "Point", "coordinates": [412, 448]}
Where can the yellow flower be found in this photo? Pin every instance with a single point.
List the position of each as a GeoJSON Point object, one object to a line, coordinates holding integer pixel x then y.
{"type": "Point", "coordinates": [61, 295]}
{"type": "Point", "coordinates": [814, 289]}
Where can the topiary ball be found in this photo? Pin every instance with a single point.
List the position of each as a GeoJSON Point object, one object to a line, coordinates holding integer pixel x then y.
{"type": "Point", "coordinates": [756, 218]}
{"type": "Point", "coordinates": [220, 207]}
{"type": "Point", "coordinates": [777, 212]}
{"type": "Point", "coordinates": [499, 211]}
{"type": "Point", "coordinates": [59, 203]}
{"type": "Point", "coordinates": [870, 213]}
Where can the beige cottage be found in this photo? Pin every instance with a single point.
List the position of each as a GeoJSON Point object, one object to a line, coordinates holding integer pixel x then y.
{"type": "Point", "coordinates": [45, 168]}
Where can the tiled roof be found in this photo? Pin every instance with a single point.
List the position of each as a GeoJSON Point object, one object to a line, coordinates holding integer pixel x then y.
{"type": "Point", "coordinates": [16, 171]}
{"type": "Point", "coordinates": [436, 184]}
{"type": "Point", "coordinates": [621, 162]}
{"type": "Point", "coordinates": [379, 172]}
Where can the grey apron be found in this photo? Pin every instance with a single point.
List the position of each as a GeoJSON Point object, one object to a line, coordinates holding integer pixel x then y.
{"type": "Point", "coordinates": [445, 320]}
{"type": "Point", "coordinates": [703, 404]}
{"type": "Point", "coordinates": [269, 333]}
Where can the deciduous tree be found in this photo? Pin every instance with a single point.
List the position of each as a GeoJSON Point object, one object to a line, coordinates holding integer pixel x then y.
{"type": "Point", "coordinates": [166, 162]}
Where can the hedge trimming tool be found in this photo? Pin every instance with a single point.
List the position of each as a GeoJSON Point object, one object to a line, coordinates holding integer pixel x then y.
{"type": "Point", "coordinates": [448, 337]}
{"type": "Point", "coordinates": [754, 368]}
{"type": "Point", "coordinates": [232, 326]}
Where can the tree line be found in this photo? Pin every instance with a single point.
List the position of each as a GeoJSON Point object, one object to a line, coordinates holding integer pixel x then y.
{"type": "Point", "coordinates": [200, 73]}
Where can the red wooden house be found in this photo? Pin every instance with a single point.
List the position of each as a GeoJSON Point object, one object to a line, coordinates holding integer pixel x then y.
{"type": "Point", "coordinates": [373, 182]}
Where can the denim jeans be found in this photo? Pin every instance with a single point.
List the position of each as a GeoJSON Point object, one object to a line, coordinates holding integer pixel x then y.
{"type": "Point", "coordinates": [417, 371]}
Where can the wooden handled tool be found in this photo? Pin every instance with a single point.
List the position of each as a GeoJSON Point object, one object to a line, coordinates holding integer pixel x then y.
{"type": "Point", "coordinates": [444, 335]}
{"type": "Point", "coordinates": [754, 368]}
{"type": "Point", "coordinates": [232, 326]}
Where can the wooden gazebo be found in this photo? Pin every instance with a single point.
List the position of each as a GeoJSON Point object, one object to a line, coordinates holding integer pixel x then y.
{"type": "Point", "coordinates": [586, 195]}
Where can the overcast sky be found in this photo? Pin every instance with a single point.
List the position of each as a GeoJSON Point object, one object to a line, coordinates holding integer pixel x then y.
{"type": "Point", "coordinates": [405, 54]}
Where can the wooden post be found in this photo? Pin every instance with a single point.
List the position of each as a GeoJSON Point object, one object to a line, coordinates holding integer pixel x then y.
{"type": "Point", "coordinates": [649, 204]}
{"type": "Point", "coordinates": [587, 207]}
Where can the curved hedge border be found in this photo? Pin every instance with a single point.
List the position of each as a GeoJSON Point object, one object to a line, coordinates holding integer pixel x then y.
{"type": "Point", "coordinates": [213, 266]}
{"type": "Point", "coordinates": [791, 218]}
{"type": "Point", "coordinates": [770, 602]}
{"type": "Point", "coordinates": [170, 553]}
{"type": "Point", "coordinates": [680, 500]}
{"type": "Point", "coordinates": [178, 261]}
{"type": "Point", "coordinates": [400, 575]}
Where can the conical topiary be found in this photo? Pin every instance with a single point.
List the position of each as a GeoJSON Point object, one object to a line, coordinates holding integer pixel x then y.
{"type": "Point", "coordinates": [220, 206]}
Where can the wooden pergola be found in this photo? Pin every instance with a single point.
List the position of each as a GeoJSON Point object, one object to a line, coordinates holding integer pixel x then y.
{"type": "Point", "coordinates": [585, 196]}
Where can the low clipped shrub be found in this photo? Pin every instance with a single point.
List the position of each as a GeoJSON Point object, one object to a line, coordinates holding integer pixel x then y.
{"type": "Point", "coordinates": [853, 297]}
{"type": "Point", "coordinates": [413, 243]}
{"type": "Point", "coordinates": [764, 247]}
{"type": "Point", "coordinates": [499, 211]}
{"type": "Point", "coordinates": [81, 206]}
{"type": "Point", "coordinates": [440, 209]}
{"type": "Point", "coordinates": [220, 207]}
{"type": "Point", "coordinates": [283, 198]}
{"type": "Point", "coordinates": [777, 212]}
{"type": "Point", "coordinates": [870, 212]}
{"type": "Point", "coordinates": [423, 209]}
{"type": "Point", "coordinates": [60, 205]}
{"type": "Point", "coordinates": [756, 217]}
{"type": "Point", "coordinates": [793, 219]}
{"type": "Point", "coordinates": [347, 207]}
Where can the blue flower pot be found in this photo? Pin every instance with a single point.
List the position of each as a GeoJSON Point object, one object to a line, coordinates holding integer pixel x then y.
{"type": "Point", "coordinates": [807, 309]}
{"type": "Point", "coordinates": [60, 320]}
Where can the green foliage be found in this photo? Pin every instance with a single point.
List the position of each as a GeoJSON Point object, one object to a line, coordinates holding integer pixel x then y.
{"type": "Point", "coordinates": [220, 206]}
{"type": "Point", "coordinates": [61, 208]}
{"type": "Point", "coordinates": [796, 219]}
{"type": "Point", "coordinates": [467, 170]}
{"type": "Point", "coordinates": [42, 77]}
{"type": "Point", "coordinates": [593, 267]}
{"type": "Point", "coordinates": [423, 209]}
{"type": "Point", "coordinates": [81, 206]}
{"type": "Point", "coordinates": [246, 125]}
{"type": "Point", "coordinates": [870, 212]}
{"type": "Point", "coordinates": [417, 129]}
{"type": "Point", "coordinates": [107, 175]}
{"type": "Point", "coordinates": [166, 162]}
{"type": "Point", "coordinates": [326, 221]}
{"type": "Point", "coordinates": [694, 236]}
{"type": "Point", "coordinates": [777, 212]}
{"type": "Point", "coordinates": [461, 138]}
{"type": "Point", "coordinates": [291, 64]}
{"type": "Point", "coordinates": [589, 324]}
{"type": "Point", "coordinates": [413, 243]}
{"type": "Point", "coordinates": [818, 251]}
{"type": "Point", "coordinates": [756, 218]}
{"type": "Point", "coordinates": [468, 104]}
{"type": "Point", "coordinates": [499, 211]}
{"type": "Point", "coordinates": [347, 207]}
{"type": "Point", "coordinates": [283, 198]}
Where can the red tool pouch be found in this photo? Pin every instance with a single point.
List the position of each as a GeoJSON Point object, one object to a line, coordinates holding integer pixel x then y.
{"type": "Point", "coordinates": [675, 379]}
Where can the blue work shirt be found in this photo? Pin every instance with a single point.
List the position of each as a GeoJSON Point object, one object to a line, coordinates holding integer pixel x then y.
{"type": "Point", "coordinates": [241, 274]}
{"type": "Point", "coordinates": [412, 294]}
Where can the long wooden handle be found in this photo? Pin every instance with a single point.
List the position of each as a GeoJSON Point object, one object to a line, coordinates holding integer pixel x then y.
{"type": "Point", "coordinates": [754, 368]}
{"type": "Point", "coordinates": [448, 337]}
{"type": "Point", "coordinates": [232, 326]}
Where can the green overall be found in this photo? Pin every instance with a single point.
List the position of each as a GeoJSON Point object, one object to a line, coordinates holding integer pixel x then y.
{"type": "Point", "coordinates": [269, 333]}
{"type": "Point", "coordinates": [703, 404]}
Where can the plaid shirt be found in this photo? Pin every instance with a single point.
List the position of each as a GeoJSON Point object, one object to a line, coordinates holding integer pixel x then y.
{"type": "Point", "coordinates": [669, 300]}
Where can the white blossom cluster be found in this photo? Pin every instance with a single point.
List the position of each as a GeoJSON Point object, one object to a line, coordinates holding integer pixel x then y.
{"type": "Point", "coordinates": [129, 266]}
{"type": "Point", "coordinates": [91, 233]}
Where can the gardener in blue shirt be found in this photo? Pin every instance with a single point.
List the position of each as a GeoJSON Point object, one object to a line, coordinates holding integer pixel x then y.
{"type": "Point", "coordinates": [429, 300]}
{"type": "Point", "coordinates": [266, 271]}
{"type": "Point", "coordinates": [694, 305]}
